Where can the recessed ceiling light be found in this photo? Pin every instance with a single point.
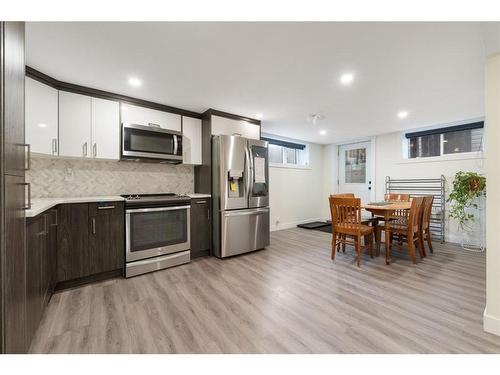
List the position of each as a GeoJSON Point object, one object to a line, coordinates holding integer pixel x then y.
{"type": "Point", "coordinates": [134, 81]}
{"type": "Point", "coordinates": [42, 125]}
{"type": "Point", "coordinates": [403, 114]}
{"type": "Point", "coordinates": [259, 115]}
{"type": "Point", "coordinates": [346, 78]}
{"type": "Point", "coordinates": [322, 132]}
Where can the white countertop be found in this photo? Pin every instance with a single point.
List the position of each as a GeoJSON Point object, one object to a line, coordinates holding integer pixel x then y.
{"type": "Point", "coordinates": [39, 205]}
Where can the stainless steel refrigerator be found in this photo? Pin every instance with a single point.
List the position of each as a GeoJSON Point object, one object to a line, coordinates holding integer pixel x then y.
{"type": "Point", "coordinates": [240, 195]}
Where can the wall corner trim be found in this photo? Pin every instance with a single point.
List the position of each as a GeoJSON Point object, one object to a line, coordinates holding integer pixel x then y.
{"type": "Point", "coordinates": [491, 324]}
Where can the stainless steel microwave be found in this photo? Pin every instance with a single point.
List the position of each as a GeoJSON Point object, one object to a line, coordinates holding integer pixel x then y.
{"type": "Point", "coordinates": [151, 143]}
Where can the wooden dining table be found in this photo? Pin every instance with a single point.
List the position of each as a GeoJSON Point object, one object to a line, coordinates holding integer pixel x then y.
{"type": "Point", "coordinates": [386, 211]}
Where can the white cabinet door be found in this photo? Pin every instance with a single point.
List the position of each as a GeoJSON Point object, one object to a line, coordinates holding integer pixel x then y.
{"type": "Point", "coordinates": [74, 124]}
{"type": "Point", "coordinates": [132, 114]}
{"type": "Point", "coordinates": [191, 140]}
{"type": "Point", "coordinates": [105, 129]}
{"type": "Point", "coordinates": [227, 126]}
{"type": "Point", "coordinates": [41, 109]}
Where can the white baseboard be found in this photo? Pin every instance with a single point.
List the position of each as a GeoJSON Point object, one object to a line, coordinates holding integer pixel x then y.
{"type": "Point", "coordinates": [292, 224]}
{"type": "Point", "coordinates": [491, 324]}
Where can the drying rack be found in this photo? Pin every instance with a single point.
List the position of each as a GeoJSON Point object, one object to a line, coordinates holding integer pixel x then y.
{"type": "Point", "coordinates": [424, 186]}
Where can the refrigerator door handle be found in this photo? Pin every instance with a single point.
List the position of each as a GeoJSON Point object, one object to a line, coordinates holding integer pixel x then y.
{"type": "Point", "coordinates": [249, 170]}
{"type": "Point", "coordinates": [253, 211]}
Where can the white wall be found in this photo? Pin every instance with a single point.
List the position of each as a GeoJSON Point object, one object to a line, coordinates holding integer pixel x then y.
{"type": "Point", "coordinates": [330, 177]}
{"type": "Point", "coordinates": [296, 194]}
{"type": "Point", "coordinates": [389, 162]}
{"type": "Point", "coordinates": [492, 311]}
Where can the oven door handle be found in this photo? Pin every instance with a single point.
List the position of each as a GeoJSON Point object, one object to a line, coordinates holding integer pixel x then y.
{"type": "Point", "coordinates": [158, 209]}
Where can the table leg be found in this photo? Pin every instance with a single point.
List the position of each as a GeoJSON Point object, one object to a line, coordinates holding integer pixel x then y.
{"type": "Point", "coordinates": [387, 238]}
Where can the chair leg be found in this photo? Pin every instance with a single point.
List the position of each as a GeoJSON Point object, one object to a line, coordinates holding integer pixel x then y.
{"type": "Point", "coordinates": [334, 245]}
{"type": "Point", "coordinates": [337, 242]}
{"type": "Point", "coordinates": [371, 244]}
{"type": "Point", "coordinates": [388, 246]}
{"type": "Point", "coordinates": [358, 251]}
{"type": "Point", "coordinates": [411, 249]}
{"type": "Point", "coordinates": [421, 242]}
{"type": "Point", "coordinates": [378, 238]}
{"type": "Point", "coordinates": [420, 247]}
{"type": "Point", "coordinates": [429, 242]}
{"type": "Point", "coordinates": [343, 243]}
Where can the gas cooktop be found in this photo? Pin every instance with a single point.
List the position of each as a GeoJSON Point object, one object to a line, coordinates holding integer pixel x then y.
{"type": "Point", "coordinates": [155, 199]}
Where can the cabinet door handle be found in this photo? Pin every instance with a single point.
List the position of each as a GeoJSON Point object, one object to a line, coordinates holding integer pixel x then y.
{"type": "Point", "coordinates": [56, 221]}
{"type": "Point", "coordinates": [154, 125]}
{"type": "Point", "coordinates": [27, 164]}
{"type": "Point", "coordinates": [201, 202]}
{"type": "Point", "coordinates": [93, 225]}
{"type": "Point", "coordinates": [105, 207]}
{"type": "Point", "coordinates": [27, 206]}
{"type": "Point", "coordinates": [94, 150]}
{"type": "Point", "coordinates": [84, 149]}
{"type": "Point", "coordinates": [54, 146]}
{"type": "Point", "coordinates": [208, 214]}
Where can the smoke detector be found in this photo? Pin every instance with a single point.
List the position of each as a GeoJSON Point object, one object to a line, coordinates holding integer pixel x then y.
{"type": "Point", "coordinates": [314, 118]}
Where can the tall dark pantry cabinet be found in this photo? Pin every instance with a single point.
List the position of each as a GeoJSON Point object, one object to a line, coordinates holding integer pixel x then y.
{"type": "Point", "coordinates": [13, 190]}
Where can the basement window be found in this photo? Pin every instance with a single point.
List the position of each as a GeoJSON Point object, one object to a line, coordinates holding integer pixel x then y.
{"type": "Point", "coordinates": [457, 139]}
{"type": "Point", "coordinates": [287, 153]}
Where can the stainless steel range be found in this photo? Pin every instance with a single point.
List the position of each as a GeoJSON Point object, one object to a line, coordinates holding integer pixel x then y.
{"type": "Point", "coordinates": [157, 232]}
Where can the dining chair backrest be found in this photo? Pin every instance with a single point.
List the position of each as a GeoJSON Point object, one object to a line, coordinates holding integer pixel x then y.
{"type": "Point", "coordinates": [396, 197]}
{"type": "Point", "coordinates": [343, 195]}
{"type": "Point", "coordinates": [346, 212]}
{"type": "Point", "coordinates": [415, 213]}
{"type": "Point", "coordinates": [427, 211]}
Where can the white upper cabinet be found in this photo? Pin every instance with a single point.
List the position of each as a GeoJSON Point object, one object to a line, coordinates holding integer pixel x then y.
{"type": "Point", "coordinates": [132, 114]}
{"type": "Point", "coordinates": [227, 126]}
{"type": "Point", "coordinates": [191, 140]}
{"type": "Point", "coordinates": [105, 129]}
{"type": "Point", "coordinates": [41, 109]}
{"type": "Point", "coordinates": [74, 124]}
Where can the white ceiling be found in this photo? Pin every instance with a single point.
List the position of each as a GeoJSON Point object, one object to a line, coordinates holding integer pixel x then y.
{"type": "Point", "coordinates": [286, 71]}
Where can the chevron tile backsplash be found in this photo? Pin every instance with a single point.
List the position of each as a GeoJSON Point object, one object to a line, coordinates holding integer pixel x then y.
{"type": "Point", "coordinates": [58, 177]}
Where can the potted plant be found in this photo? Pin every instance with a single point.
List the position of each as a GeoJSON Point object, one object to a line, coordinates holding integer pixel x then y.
{"type": "Point", "coordinates": [466, 197]}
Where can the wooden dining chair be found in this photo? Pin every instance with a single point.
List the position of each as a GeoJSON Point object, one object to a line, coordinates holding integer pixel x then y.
{"type": "Point", "coordinates": [405, 223]}
{"type": "Point", "coordinates": [373, 221]}
{"type": "Point", "coordinates": [388, 197]}
{"type": "Point", "coordinates": [396, 197]}
{"type": "Point", "coordinates": [347, 227]}
{"type": "Point", "coordinates": [425, 223]}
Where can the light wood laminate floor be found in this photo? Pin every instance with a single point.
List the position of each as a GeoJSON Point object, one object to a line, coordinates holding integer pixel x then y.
{"type": "Point", "coordinates": [289, 298]}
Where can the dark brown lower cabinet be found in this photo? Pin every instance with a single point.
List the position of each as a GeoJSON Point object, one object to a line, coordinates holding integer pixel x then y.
{"type": "Point", "coordinates": [106, 238]}
{"type": "Point", "coordinates": [200, 227]}
{"type": "Point", "coordinates": [15, 266]}
{"type": "Point", "coordinates": [36, 240]}
{"type": "Point", "coordinates": [73, 257]}
{"type": "Point", "coordinates": [90, 241]}
{"type": "Point", "coordinates": [40, 268]}
{"type": "Point", "coordinates": [52, 248]}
